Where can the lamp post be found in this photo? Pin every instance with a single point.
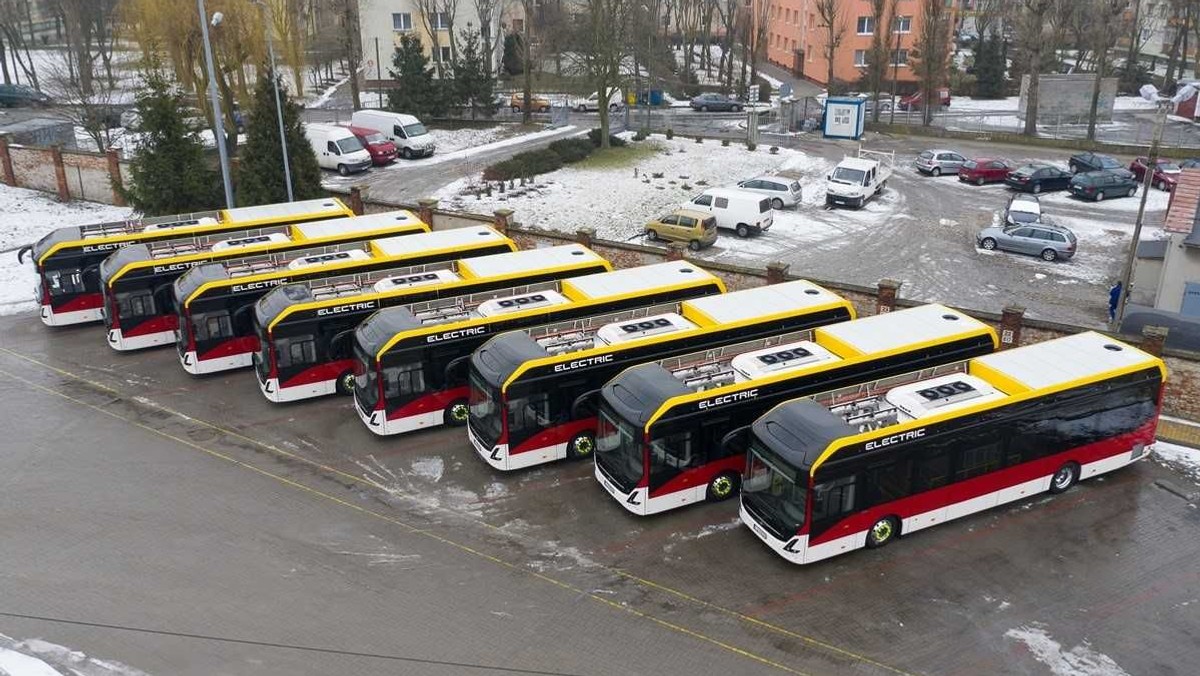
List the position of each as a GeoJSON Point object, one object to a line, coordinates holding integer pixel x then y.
{"type": "Point", "coordinates": [287, 166]}
{"type": "Point", "coordinates": [1150, 93]}
{"type": "Point", "coordinates": [218, 123]}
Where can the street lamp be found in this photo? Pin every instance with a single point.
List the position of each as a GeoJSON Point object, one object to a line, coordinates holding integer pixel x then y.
{"type": "Point", "coordinates": [287, 167]}
{"type": "Point", "coordinates": [1150, 93]}
{"type": "Point", "coordinates": [218, 123]}
{"type": "Point", "coordinates": [653, 23]}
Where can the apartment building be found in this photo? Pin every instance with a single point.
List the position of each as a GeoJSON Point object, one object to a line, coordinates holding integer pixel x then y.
{"type": "Point", "coordinates": [382, 23]}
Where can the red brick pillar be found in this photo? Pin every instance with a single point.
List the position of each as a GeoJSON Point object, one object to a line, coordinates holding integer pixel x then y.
{"type": "Point", "coordinates": [356, 200]}
{"type": "Point", "coordinates": [1153, 338]}
{"type": "Point", "coordinates": [114, 176]}
{"type": "Point", "coordinates": [10, 177]}
{"type": "Point", "coordinates": [502, 219]}
{"type": "Point", "coordinates": [60, 174]}
{"type": "Point", "coordinates": [425, 207]}
{"type": "Point", "coordinates": [777, 272]}
{"type": "Point", "coordinates": [585, 237]}
{"type": "Point", "coordinates": [675, 251]}
{"type": "Point", "coordinates": [885, 300]}
{"type": "Point", "coordinates": [1010, 326]}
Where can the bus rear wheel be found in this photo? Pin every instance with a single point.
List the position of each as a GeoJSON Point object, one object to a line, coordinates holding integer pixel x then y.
{"type": "Point", "coordinates": [723, 486]}
{"type": "Point", "coordinates": [582, 446]}
{"type": "Point", "coordinates": [345, 383]}
{"type": "Point", "coordinates": [1064, 478]}
{"type": "Point", "coordinates": [884, 531]}
{"type": "Point", "coordinates": [456, 413]}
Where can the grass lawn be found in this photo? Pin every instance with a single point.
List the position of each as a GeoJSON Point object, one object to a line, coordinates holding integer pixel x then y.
{"type": "Point", "coordinates": [614, 158]}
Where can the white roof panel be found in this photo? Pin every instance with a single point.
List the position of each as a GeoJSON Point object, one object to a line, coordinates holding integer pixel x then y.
{"type": "Point", "coordinates": [442, 239]}
{"type": "Point", "coordinates": [892, 330]}
{"type": "Point", "coordinates": [763, 300]}
{"type": "Point", "coordinates": [525, 261]}
{"type": "Point", "coordinates": [938, 395]}
{"type": "Point", "coordinates": [286, 210]}
{"type": "Point", "coordinates": [342, 226]}
{"type": "Point", "coordinates": [1065, 360]}
{"type": "Point", "coordinates": [631, 280]}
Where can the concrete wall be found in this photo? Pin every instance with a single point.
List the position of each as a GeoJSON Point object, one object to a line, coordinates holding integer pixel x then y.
{"type": "Point", "coordinates": [33, 168]}
{"type": "Point", "coordinates": [1147, 273]}
{"type": "Point", "coordinates": [87, 176]}
{"type": "Point", "coordinates": [70, 174]}
{"type": "Point", "coordinates": [1068, 98]}
{"type": "Point", "coordinates": [1180, 266]}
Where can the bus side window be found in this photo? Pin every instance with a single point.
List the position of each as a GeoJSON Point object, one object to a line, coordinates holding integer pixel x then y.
{"type": "Point", "coordinates": [670, 455]}
{"type": "Point", "coordinates": [296, 351]}
{"type": "Point", "coordinates": [932, 467]}
{"type": "Point", "coordinates": [834, 498]}
{"type": "Point", "coordinates": [888, 481]}
{"type": "Point", "coordinates": [405, 379]}
{"type": "Point", "coordinates": [531, 412]}
{"type": "Point", "coordinates": [977, 455]}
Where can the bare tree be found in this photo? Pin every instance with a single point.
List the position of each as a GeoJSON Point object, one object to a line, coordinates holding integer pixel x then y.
{"type": "Point", "coordinates": [603, 41]}
{"type": "Point", "coordinates": [758, 35]}
{"type": "Point", "coordinates": [487, 11]}
{"type": "Point", "coordinates": [529, 7]}
{"type": "Point", "coordinates": [1107, 15]}
{"type": "Point", "coordinates": [880, 56]}
{"type": "Point", "coordinates": [1031, 28]}
{"type": "Point", "coordinates": [932, 53]}
{"type": "Point", "coordinates": [94, 109]}
{"type": "Point", "coordinates": [829, 18]}
{"type": "Point", "coordinates": [449, 8]}
{"type": "Point", "coordinates": [351, 44]}
{"type": "Point", "coordinates": [13, 13]}
{"type": "Point", "coordinates": [727, 10]}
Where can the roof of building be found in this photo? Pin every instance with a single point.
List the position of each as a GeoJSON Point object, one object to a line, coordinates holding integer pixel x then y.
{"type": "Point", "coordinates": [1181, 215]}
{"type": "Point", "coordinates": [1153, 249]}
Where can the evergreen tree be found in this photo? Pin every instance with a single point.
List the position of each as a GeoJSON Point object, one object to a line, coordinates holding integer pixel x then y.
{"type": "Point", "coordinates": [511, 60]}
{"type": "Point", "coordinates": [260, 177]}
{"type": "Point", "coordinates": [170, 173]}
{"type": "Point", "coordinates": [989, 68]}
{"type": "Point", "coordinates": [416, 92]}
{"type": "Point", "coordinates": [473, 81]}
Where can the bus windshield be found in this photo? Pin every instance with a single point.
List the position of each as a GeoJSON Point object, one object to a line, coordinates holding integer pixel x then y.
{"type": "Point", "coordinates": [619, 451]}
{"type": "Point", "coordinates": [484, 411]}
{"type": "Point", "coordinates": [772, 495]}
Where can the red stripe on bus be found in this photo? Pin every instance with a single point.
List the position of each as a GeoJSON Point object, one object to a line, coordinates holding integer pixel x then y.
{"type": "Point", "coordinates": [231, 347]}
{"type": "Point", "coordinates": [319, 373]}
{"type": "Point", "coordinates": [86, 301]}
{"type": "Point", "coordinates": [559, 434]}
{"type": "Point", "coordinates": [428, 403]}
{"type": "Point", "coordinates": [153, 325]}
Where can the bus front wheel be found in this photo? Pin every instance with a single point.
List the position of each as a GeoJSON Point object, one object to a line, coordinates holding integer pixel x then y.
{"type": "Point", "coordinates": [884, 531]}
{"type": "Point", "coordinates": [582, 446]}
{"type": "Point", "coordinates": [456, 413]}
{"type": "Point", "coordinates": [1064, 478]}
{"type": "Point", "coordinates": [345, 383]}
{"type": "Point", "coordinates": [723, 486]}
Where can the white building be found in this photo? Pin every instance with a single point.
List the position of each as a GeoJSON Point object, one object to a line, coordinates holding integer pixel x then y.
{"type": "Point", "coordinates": [384, 21]}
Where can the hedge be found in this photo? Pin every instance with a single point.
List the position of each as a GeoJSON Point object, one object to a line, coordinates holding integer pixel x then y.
{"type": "Point", "coordinates": [572, 149]}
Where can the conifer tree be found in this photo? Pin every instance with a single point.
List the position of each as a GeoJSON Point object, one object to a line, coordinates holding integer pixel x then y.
{"type": "Point", "coordinates": [473, 81]}
{"type": "Point", "coordinates": [989, 68]}
{"type": "Point", "coordinates": [260, 175]}
{"type": "Point", "coordinates": [416, 92]}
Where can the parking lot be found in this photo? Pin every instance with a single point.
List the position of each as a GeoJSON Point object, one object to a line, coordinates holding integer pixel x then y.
{"type": "Point", "coordinates": [188, 526]}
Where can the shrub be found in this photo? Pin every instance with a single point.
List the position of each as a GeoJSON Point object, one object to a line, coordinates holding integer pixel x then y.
{"type": "Point", "coordinates": [725, 142]}
{"type": "Point", "coordinates": [699, 139]}
{"type": "Point", "coordinates": [594, 136]}
{"type": "Point", "coordinates": [670, 133]}
{"type": "Point", "coordinates": [529, 163]}
{"type": "Point", "coordinates": [572, 149]}
{"type": "Point", "coordinates": [750, 146]}
{"type": "Point", "coordinates": [642, 134]}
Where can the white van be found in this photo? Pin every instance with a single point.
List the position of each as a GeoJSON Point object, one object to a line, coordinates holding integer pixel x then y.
{"type": "Point", "coordinates": [411, 137]}
{"type": "Point", "coordinates": [336, 148]}
{"type": "Point", "coordinates": [742, 211]}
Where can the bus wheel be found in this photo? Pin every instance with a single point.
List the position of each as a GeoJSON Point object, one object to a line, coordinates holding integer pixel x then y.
{"type": "Point", "coordinates": [723, 486]}
{"type": "Point", "coordinates": [582, 446]}
{"type": "Point", "coordinates": [1064, 478]}
{"type": "Point", "coordinates": [883, 532]}
{"type": "Point", "coordinates": [345, 383]}
{"type": "Point", "coordinates": [456, 413]}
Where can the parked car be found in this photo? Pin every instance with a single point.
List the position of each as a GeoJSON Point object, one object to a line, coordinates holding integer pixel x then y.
{"type": "Point", "coordinates": [336, 148]}
{"type": "Point", "coordinates": [938, 162]}
{"type": "Point", "coordinates": [1050, 242]}
{"type": "Point", "coordinates": [985, 170]}
{"type": "Point", "coordinates": [592, 103]}
{"type": "Point", "coordinates": [1023, 209]}
{"type": "Point", "coordinates": [21, 95]}
{"type": "Point", "coordinates": [1166, 173]}
{"type": "Point", "coordinates": [1036, 178]}
{"type": "Point", "coordinates": [714, 101]}
{"type": "Point", "coordinates": [1097, 185]}
{"type": "Point", "coordinates": [913, 101]}
{"type": "Point", "coordinates": [1089, 161]}
{"type": "Point", "coordinates": [382, 150]}
{"type": "Point", "coordinates": [859, 178]}
{"type": "Point", "coordinates": [131, 119]}
{"type": "Point", "coordinates": [742, 211]}
{"type": "Point", "coordinates": [411, 137]}
{"type": "Point", "coordinates": [784, 192]}
{"type": "Point", "coordinates": [537, 103]}
{"type": "Point", "coordinates": [1193, 163]}
{"type": "Point", "coordinates": [697, 228]}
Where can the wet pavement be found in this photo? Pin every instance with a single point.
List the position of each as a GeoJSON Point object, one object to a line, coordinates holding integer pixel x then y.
{"type": "Point", "coordinates": [187, 526]}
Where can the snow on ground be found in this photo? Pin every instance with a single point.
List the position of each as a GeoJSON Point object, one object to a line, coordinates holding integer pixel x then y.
{"type": "Point", "coordinates": [966, 104]}
{"type": "Point", "coordinates": [454, 140]}
{"type": "Point", "coordinates": [618, 204]}
{"type": "Point", "coordinates": [29, 215]}
{"type": "Point", "coordinates": [36, 657]}
{"type": "Point", "coordinates": [1080, 660]}
{"type": "Point", "coordinates": [1182, 458]}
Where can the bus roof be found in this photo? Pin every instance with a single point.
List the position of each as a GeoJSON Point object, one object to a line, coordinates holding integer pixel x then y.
{"type": "Point", "coordinates": [761, 301]}
{"type": "Point", "coordinates": [440, 239]}
{"type": "Point", "coordinates": [1064, 361]}
{"type": "Point", "coordinates": [522, 261]}
{"type": "Point", "coordinates": [283, 210]}
{"type": "Point", "coordinates": [893, 330]}
{"type": "Point", "coordinates": [630, 280]}
{"type": "Point", "coordinates": [342, 226]}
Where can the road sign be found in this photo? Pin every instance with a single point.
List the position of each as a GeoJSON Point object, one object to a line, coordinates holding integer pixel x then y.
{"type": "Point", "coordinates": [753, 95]}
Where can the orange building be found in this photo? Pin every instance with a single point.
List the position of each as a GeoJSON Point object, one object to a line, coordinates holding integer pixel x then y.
{"type": "Point", "coordinates": [796, 39]}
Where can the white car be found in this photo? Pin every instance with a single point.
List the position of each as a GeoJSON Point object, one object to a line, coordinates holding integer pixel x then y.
{"type": "Point", "coordinates": [592, 103]}
{"type": "Point", "coordinates": [1023, 209]}
{"type": "Point", "coordinates": [784, 192]}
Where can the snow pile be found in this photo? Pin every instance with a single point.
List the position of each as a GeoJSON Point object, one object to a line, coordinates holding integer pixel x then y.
{"type": "Point", "coordinates": [618, 204]}
{"type": "Point", "coordinates": [1183, 458]}
{"type": "Point", "coordinates": [35, 657]}
{"type": "Point", "coordinates": [1080, 660]}
{"type": "Point", "coordinates": [29, 215]}
{"type": "Point", "coordinates": [453, 140]}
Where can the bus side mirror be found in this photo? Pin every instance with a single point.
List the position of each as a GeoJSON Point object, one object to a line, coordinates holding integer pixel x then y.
{"type": "Point", "coordinates": [242, 320]}
{"type": "Point", "coordinates": [456, 371]}
{"type": "Point", "coordinates": [584, 405]}
{"type": "Point", "coordinates": [90, 276]}
{"type": "Point", "coordinates": [337, 349]}
{"type": "Point", "coordinates": [735, 441]}
{"type": "Point", "coordinates": [163, 297]}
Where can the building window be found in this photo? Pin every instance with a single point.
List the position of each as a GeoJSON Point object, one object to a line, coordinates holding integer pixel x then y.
{"type": "Point", "coordinates": [901, 58]}
{"type": "Point", "coordinates": [866, 25]}
{"type": "Point", "coordinates": [518, 25]}
{"type": "Point", "coordinates": [860, 57]}
{"type": "Point", "coordinates": [904, 24]}
{"type": "Point", "coordinates": [401, 21]}
{"type": "Point", "coordinates": [445, 54]}
{"type": "Point", "coordinates": [439, 21]}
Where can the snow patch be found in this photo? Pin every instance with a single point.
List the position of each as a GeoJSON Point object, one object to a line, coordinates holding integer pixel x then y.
{"type": "Point", "coordinates": [1182, 458]}
{"type": "Point", "coordinates": [37, 657]}
{"type": "Point", "coordinates": [429, 468]}
{"type": "Point", "coordinates": [1080, 660]}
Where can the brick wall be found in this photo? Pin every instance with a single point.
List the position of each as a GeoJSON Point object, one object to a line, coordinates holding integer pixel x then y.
{"type": "Point", "coordinates": [70, 174]}
{"type": "Point", "coordinates": [33, 168]}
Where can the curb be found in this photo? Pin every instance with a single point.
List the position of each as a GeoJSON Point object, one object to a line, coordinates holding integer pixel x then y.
{"type": "Point", "coordinates": [1184, 434]}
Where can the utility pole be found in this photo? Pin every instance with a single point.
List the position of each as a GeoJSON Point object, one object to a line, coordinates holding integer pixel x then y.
{"type": "Point", "coordinates": [218, 123]}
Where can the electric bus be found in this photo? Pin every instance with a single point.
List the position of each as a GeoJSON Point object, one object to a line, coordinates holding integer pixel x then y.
{"type": "Point", "coordinates": [411, 370]}
{"type": "Point", "coordinates": [533, 392]}
{"type": "Point", "coordinates": [305, 330]}
{"type": "Point", "coordinates": [215, 301]}
{"type": "Point", "coordinates": [67, 260]}
{"type": "Point", "coordinates": [859, 467]}
{"type": "Point", "coordinates": [668, 433]}
{"type": "Point", "coordinates": [138, 280]}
